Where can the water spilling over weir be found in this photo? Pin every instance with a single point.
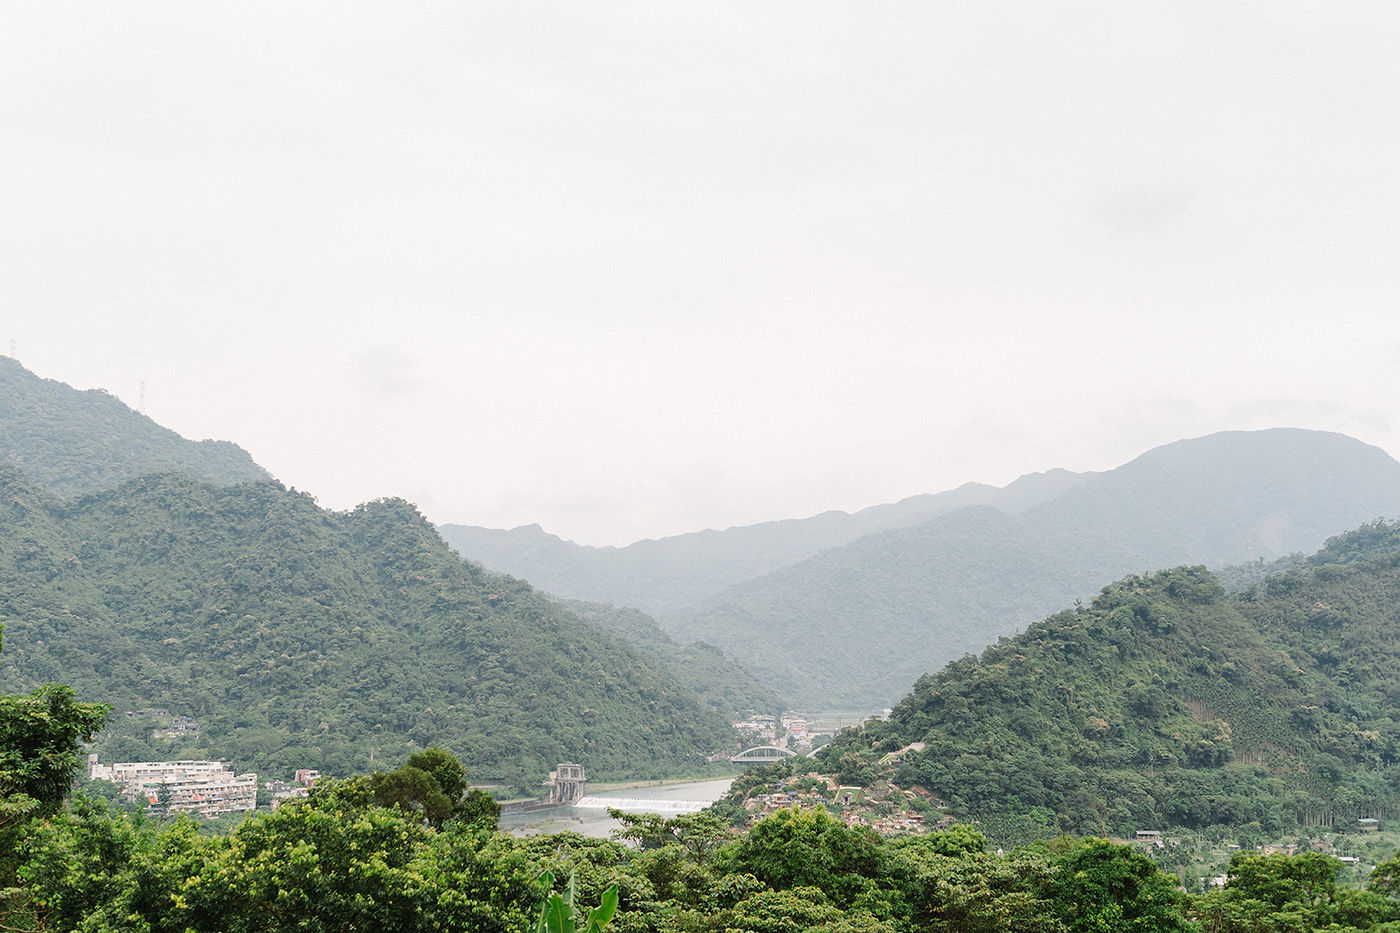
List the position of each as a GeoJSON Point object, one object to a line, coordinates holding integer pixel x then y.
{"type": "Point", "coordinates": [641, 804]}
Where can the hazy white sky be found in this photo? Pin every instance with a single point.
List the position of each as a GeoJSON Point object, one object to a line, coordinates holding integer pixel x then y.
{"type": "Point", "coordinates": [629, 270]}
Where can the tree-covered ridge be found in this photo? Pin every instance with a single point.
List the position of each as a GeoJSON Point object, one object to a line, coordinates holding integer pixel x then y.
{"type": "Point", "coordinates": [1166, 703]}
{"type": "Point", "coordinates": [71, 442]}
{"type": "Point", "coordinates": [954, 584]}
{"type": "Point", "coordinates": [414, 849]}
{"type": "Point", "coordinates": [699, 667]}
{"type": "Point", "coordinates": [300, 637]}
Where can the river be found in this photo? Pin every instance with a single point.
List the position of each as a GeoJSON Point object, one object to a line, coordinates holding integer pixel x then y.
{"type": "Point", "coordinates": [666, 799]}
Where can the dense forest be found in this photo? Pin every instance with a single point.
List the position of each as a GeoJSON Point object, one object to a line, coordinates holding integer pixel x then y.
{"type": "Point", "coordinates": [954, 584]}
{"type": "Point", "coordinates": [941, 576]}
{"type": "Point", "coordinates": [413, 850]}
{"type": "Point", "coordinates": [416, 849]}
{"type": "Point", "coordinates": [1166, 702]}
{"type": "Point", "coordinates": [72, 442]}
{"type": "Point", "coordinates": [298, 637]}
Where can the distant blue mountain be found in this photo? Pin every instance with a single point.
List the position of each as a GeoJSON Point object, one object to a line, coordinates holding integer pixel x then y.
{"type": "Point", "coordinates": [682, 571]}
{"type": "Point", "coordinates": [883, 596]}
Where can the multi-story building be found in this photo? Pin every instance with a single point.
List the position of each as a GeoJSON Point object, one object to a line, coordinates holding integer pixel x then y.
{"type": "Point", "coordinates": [207, 788]}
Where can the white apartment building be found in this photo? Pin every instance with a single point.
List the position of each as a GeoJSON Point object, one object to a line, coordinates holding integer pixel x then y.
{"type": "Point", "coordinates": [207, 788]}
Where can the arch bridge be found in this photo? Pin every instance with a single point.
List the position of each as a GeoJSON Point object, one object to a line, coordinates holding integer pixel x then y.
{"type": "Point", "coordinates": [762, 755]}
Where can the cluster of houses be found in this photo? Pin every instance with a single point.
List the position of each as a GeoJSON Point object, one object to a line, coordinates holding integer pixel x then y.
{"type": "Point", "coordinates": [1152, 839]}
{"type": "Point", "coordinates": [883, 807]}
{"type": "Point", "coordinates": [763, 729]}
{"type": "Point", "coordinates": [757, 728]}
{"type": "Point", "coordinates": [281, 791]}
{"type": "Point", "coordinates": [167, 726]}
{"type": "Point", "coordinates": [795, 732]}
{"type": "Point", "coordinates": [891, 810]}
{"type": "Point", "coordinates": [179, 727]}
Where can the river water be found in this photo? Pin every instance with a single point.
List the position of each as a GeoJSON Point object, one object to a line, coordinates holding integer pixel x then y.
{"type": "Point", "coordinates": [665, 799]}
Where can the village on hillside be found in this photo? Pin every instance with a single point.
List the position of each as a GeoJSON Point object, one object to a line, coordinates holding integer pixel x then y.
{"type": "Point", "coordinates": [882, 805]}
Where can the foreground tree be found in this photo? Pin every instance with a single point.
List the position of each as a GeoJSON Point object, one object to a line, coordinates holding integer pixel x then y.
{"type": "Point", "coordinates": [1097, 885]}
{"type": "Point", "coordinates": [954, 884]}
{"type": "Point", "coordinates": [98, 867]}
{"type": "Point", "coordinates": [794, 848]}
{"type": "Point", "coordinates": [40, 737]}
{"type": "Point", "coordinates": [309, 867]}
{"type": "Point", "coordinates": [432, 786]}
{"type": "Point", "coordinates": [1286, 893]}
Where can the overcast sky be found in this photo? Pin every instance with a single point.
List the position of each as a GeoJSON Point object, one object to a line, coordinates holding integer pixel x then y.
{"type": "Point", "coordinates": [628, 270]}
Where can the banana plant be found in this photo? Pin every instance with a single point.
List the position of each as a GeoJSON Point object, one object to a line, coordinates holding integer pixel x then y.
{"type": "Point", "coordinates": [557, 914]}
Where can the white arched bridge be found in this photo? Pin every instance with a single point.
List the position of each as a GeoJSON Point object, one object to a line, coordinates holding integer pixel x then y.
{"type": "Point", "coordinates": [762, 755]}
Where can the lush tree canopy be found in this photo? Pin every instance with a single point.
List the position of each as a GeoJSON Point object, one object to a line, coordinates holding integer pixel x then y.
{"type": "Point", "coordinates": [71, 442]}
{"type": "Point", "coordinates": [299, 637]}
{"type": "Point", "coordinates": [1168, 703]}
{"type": "Point", "coordinates": [338, 860]}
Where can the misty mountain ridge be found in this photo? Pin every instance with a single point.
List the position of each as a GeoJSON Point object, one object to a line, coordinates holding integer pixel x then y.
{"type": "Point", "coordinates": [148, 570]}
{"type": "Point", "coordinates": [891, 591]}
{"type": "Point", "coordinates": [679, 572]}
{"type": "Point", "coordinates": [72, 441]}
{"type": "Point", "coordinates": [982, 562]}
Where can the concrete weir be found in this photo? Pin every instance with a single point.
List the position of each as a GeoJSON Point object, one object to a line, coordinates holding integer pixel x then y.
{"type": "Point", "coordinates": [642, 804]}
{"type": "Point", "coordinates": [568, 787]}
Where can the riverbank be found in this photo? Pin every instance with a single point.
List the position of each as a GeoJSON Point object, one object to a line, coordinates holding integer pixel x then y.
{"type": "Point", "coordinates": [594, 820]}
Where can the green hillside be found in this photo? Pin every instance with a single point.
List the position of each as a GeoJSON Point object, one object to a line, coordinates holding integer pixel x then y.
{"type": "Point", "coordinates": [709, 673]}
{"type": "Point", "coordinates": [299, 637]}
{"type": "Point", "coordinates": [73, 442]}
{"type": "Point", "coordinates": [889, 607]}
{"type": "Point", "coordinates": [1167, 703]}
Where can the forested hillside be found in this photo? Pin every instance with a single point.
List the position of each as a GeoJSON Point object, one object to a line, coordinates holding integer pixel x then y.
{"type": "Point", "coordinates": [299, 637]}
{"type": "Point", "coordinates": [1166, 703]}
{"type": "Point", "coordinates": [895, 605]}
{"type": "Point", "coordinates": [703, 669]}
{"type": "Point", "coordinates": [73, 442]}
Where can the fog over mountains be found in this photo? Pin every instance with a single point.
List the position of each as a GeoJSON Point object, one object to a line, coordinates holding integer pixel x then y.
{"type": "Point", "coordinates": [916, 584]}
{"type": "Point", "coordinates": [835, 611]}
{"type": "Point", "coordinates": [681, 571]}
